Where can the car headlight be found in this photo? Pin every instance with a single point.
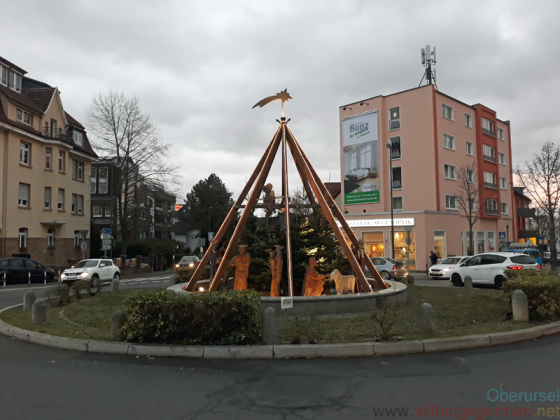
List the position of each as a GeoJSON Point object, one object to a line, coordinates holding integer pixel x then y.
{"type": "Point", "coordinates": [63, 276]}
{"type": "Point", "coordinates": [85, 274]}
{"type": "Point", "coordinates": [177, 265]}
{"type": "Point", "coordinates": [446, 269]}
{"type": "Point", "coordinates": [191, 265]}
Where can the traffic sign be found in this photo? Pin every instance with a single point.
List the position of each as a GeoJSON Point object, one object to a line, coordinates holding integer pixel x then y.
{"type": "Point", "coordinates": [501, 235]}
{"type": "Point", "coordinates": [105, 247]}
{"type": "Point", "coordinates": [84, 233]}
{"type": "Point", "coordinates": [210, 236]}
{"type": "Point", "coordinates": [83, 246]}
{"type": "Point", "coordinates": [409, 241]}
{"type": "Point", "coordinates": [106, 230]}
{"type": "Point", "coordinates": [106, 242]}
{"type": "Point", "coordinates": [105, 236]}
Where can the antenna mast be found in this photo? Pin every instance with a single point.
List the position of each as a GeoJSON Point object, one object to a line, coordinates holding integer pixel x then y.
{"type": "Point", "coordinates": [428, 57]}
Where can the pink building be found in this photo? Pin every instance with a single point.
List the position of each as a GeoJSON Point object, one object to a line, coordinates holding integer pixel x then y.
{"type": "Point", "coordinates": [433, 135]}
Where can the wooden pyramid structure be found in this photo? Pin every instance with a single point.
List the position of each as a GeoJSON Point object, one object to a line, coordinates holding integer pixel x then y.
{"type": "Point", "coordinates": [317, 195]}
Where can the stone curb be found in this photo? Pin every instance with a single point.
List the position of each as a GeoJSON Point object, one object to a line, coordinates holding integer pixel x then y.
{"type": "Point", "coordinates": [283, 351]}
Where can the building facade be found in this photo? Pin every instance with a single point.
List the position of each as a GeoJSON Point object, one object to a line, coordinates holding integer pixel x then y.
{"type": "Point", "coordinates": [45, 160]}
{"type": "Point", "coordinates": [431, 137]}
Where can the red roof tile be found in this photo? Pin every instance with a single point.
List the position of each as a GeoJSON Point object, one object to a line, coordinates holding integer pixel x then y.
{"type": "Point", "coordinates": [334, 188]}
{"type": "Point", "coordinates": [20, 99]}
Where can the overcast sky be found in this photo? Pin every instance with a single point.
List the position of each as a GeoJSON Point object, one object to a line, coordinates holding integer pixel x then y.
{"type": "Point", "coordinates": [199, 66]}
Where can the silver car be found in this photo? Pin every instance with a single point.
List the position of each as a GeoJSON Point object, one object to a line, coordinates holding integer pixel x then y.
{"type": "Point", "coordinates": [388, 268]}
{"type": "Point", "coordinates": [442, 270]}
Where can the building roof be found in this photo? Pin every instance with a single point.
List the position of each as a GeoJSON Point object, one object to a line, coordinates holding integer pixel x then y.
{"type": "Point", "coordinates": [42, 97]}
{"type": "Point", "coordinates": [21, 99]}
{"type": "Point", "coordinates": [334, 188]}
{"type": "Point", "coordinates": [520, 191]}
{"type": "Point", "coordinates": [12, 65]}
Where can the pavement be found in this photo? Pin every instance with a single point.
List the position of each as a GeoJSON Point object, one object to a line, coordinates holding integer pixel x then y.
{"type": "Point", "coordinates": [45, 383]}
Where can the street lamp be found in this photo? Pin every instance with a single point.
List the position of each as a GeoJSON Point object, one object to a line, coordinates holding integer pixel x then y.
{"type": "Point", "coordinates": [209, 222]}
{"type": "Point", "coordinates": [390, 147]}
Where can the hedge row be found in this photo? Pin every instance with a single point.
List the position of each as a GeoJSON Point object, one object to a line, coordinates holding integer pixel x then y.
{"type": "Point", "coordinates": [542, 289]}
{"type": "Point", "coordinates": [224, 317]}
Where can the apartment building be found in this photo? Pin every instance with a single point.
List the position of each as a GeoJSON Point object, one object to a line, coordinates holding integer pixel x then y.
{"type": "Point", "coordinates": [431, 136]}
{"type": "Point", "coordinates": [45, 160]}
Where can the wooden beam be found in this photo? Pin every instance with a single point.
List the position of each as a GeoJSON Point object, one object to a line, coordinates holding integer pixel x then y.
{"type": "Point", "coordinates": [264, 169]}
{"type": "Point", "coordinates": [230, 217]}
{"type": "Point", "coordinates": [287, 213]}
{"type": "Point", "coordinates": [298, 157]}
{"type": "Point", "coordinates": [338, 214]}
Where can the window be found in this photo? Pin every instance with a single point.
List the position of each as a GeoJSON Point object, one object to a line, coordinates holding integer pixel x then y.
{"type": "Point", "coordinates": [439, 243]}
{"type": "Point", "coordinates": [503, 183]}
{"type": "Point", "coordinates": [470, 176]}
{"type": "Point", "coordinates": [451, 202]}
{"type": "Point", "coordinates": [22, 238]}
{"type": "Point", "coordinates": [450, 171]}
{"type": "Point", "coordinates": [80, 204]}
{"type": "Point", "coordinates": [77, 238]}
{"type": "Point", "coordinates": [77, 170]}
{"type": "Point", "coordinates": [468, 120]}
{"type": "Point", "coordinates": [397, 203]}
{"type": "Point", "coordinates": [5, 74]}
{"type": "Point", "coordinates": [103, 180]}
{"type": "Point", "coordinates": [50, 238]}
{"type": "Point", "coordinates": [395, 147]}
{"type": "Point", "coordinates": [108, 211]}
{"type": "Point", "coordinates": [448, 142]}
{"type": "Point", "coordinates": [54, 129]}
{"type": "Point", "coordinates": [470, 148]}
{"type": "Point", "coordinates": [491, 207]}
{"type": "Point", "coordinates": [490, 180]}
{"type": "Point", "coordinates": [488, 153]}
{"type": "Point", "coordinates": [397, 178]}
{"type": "Point", "coordinates": [74, 203]}
{"type": "Point", "coordinates": [502, 158]}
{"type": "Point", "coordinates": [24, 153]}
{"type": "Point", "coordinates": [487, 126]}
{"type": "Point", "coordinates": [78, 137]}
{"type": "Point", "coordinates": [491, 246]}
{"type": "Point", "coordinates": [24, 117]}
{"type": "Point", "coordinates": [481, 242]}
{"type": "Point", "coordinates": [61, 161]}
{"type": "Point", "coordinates": [447, 112]}
{"type": "Point", "coordinates": [23, 196]}
{"type": "Point", "coordinates": [97, 211]}
{"type": "Point", "coordinates": [93, 180]}
{"type": "Point", "coordinates": [504, 208]}
{"type": "Point", "coordinates": [472, 204]}
{"type": "Point", "coordinates": [60, 199]}
{"type": "Point", "coordinates": [500, 134]}
{"type": "Point", "coordinates": [11, 79]}
{"type": "Point", "coordinates": [394, 118]}
{"type": "Point", "coordinates": [48, 158]}
{"type": "Point", "coordinates": [48, 198]}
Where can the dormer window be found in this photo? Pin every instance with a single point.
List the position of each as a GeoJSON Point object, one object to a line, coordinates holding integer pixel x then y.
{"type": "Point", "coordinates": [11, 79]}
{"type": "Point", "coordinates": [78, 138]}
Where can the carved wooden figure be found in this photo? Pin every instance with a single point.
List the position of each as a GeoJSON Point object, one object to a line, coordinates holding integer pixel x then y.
{"type": "Point", "coordinates": [241, 263]}
{"type": "Point", "coordinates": [276, 261]}
{"type": "Point", "coordinates": [313, 283]}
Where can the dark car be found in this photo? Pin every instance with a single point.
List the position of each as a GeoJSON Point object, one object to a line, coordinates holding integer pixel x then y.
{"type": "Point", "coordinates": [188, 261]}
{"type": "Point", "coordinates": [20, 270]}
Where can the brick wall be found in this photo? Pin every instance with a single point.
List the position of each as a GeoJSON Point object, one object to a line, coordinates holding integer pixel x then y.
{"type": "Point", "coordinates": [37, 247]}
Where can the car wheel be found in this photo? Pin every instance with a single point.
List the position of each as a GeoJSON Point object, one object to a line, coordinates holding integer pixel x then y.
{"type": "Point", "coordinates": [385, 275]}
{"type": "Point", "coordinates": [95, 285]}
{"type": "Point", "coordinates": [499, 281]}
{"type": "Point", "coordinates": [456, 280]}
{"type": "Point", "coordinates": [117, 277]}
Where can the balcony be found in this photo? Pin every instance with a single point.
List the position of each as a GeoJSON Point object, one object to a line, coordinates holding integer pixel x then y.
{"type": "Point", "coordinates": [489, 158]}
{"type": "Point", "coordinates": [491, 185]}
{"type": "Point", "coordinates": [525, 212]}
{"type": "Point", "coordinates": [57, 134]}
{"type": "Point", "coordinates": [489, 132]}
{"type": "Point", "coordinates": [526, 234]}
{"type": "Point", "coordinates": [491, 212]}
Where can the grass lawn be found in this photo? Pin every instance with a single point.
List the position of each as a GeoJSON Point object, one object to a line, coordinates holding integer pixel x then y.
{"type": "Point", "coordinates": [458, 312]}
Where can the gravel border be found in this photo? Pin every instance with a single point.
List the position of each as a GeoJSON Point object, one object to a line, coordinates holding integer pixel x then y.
{"type": "Point", "coordinates": [283, 351]}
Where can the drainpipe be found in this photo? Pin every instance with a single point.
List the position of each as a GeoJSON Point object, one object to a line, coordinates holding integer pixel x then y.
{"type": "Point", "coordinates": [4, 192]}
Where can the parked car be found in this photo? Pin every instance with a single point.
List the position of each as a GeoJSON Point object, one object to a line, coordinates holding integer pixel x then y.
{"type": "Point", "coordinates": [442, 270]}
{"type": "Point", "coordinates": [91, 270]}
{"type": "Point", "coordinates": [188, 261]}
{"type": "Point", "coordinates": [388, 268]}
{"type": "Point", "coordinates": [533, 253]}
{"type": "Point", "coordinates": [18, 270]}
{"type": "Point", "coordinates": [489, 268]}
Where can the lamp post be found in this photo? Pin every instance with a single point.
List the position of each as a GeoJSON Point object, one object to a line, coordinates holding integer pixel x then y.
{"type": "Point", "coordinates": [209, 222]}
{"type": "Point", "coordinates": [390, 147]}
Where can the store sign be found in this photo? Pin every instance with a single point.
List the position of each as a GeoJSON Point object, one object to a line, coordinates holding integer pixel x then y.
{"type": "Point", "coordinates": [379, 222]}
{"type": "Point", "coordinates": [360, 158]}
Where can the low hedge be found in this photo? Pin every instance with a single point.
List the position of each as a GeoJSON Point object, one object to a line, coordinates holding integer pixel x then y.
{"type": "Point", "coordinates": [542, 289]}
{"type": "Point", "coordinates": [184, 274]}
{"type": "Point", "coordinates": [224, 317]}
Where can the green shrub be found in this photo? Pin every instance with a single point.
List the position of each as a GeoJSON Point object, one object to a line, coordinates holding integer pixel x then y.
{"type": "Point", "coordinates": [542, 289]}
{"type": "Point", "coordinates": [224, 317]}
{"type": "Point", "coordinates": [184, 274]}
{"type": "Point", "coordinates": [60, 292]}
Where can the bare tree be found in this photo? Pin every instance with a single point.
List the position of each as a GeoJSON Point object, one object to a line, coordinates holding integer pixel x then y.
{"type": "Point", "coordinates": [467, 196]}
{"type": "Point", "coordinates": [127, 135]}
{"type": "Point", "coordinates": [541, 180]}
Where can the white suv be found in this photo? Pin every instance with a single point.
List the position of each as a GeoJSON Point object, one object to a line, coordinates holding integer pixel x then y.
{"type": "Point", "coordinates": [91, 270]}
{"type": "Point", "coordinates": [489, 268]}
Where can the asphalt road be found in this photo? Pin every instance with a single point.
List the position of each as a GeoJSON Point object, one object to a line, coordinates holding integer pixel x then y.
{"type": "Point", "coordinates": [38, 382]}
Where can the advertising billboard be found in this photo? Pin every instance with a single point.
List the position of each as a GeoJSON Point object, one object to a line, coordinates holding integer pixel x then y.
{"type": "Point", "coordinates": [360, 158]}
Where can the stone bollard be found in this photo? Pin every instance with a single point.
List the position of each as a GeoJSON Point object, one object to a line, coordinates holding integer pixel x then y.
{"type": "Point", "coordinates": [270, 330]}
{"type": "Point", "coordinates": [427, 319]}
{"type": "Point", "coordinates": [172, 280]}
{"type": "Point", "coordinates": [117, 322]}
{"type": "Point", "coordinates": [520, 306]}
{"type": "Point", "coordinates": [410, 279]}
{"type": "Point", "coordinates": [28, 300]}
{"type": "Point", "coordinates": [114, 286]}
{"type": "Point", "coordinates": [467, 282]}
{"type": "Point", "coordinates": [39, 312]}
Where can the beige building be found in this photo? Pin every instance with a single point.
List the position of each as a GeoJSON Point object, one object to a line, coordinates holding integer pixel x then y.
{"type": "Point", "coordinates": [45, 162]}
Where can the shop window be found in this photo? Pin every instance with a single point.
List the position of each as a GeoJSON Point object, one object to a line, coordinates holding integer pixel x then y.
{"type": "Point", "coordinates": [373, 244]}
{"type": "Point", "coordinates": [404, 252]}
{"type": "Point", "coordinates": [491, 236]}
{"type": "Point", "coordinates": [439, 243]}
{"type": "Point", "coordinates": [481, 244]}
